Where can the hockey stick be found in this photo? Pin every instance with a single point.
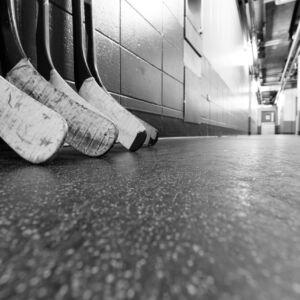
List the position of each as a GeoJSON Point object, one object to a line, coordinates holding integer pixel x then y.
{"type": "Point", "coordinates": [132, 133]}
{"type": "Point", "coordinates": [46, 66]}
{"type": "Point", "coordinates": [152, 133]}
{"type": "Point", "coordinates": [31, 129]}
{"type": "Point", "coordinates": [88, 132]}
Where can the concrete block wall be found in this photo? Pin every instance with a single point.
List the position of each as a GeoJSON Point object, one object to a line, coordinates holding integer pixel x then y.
{"type": "Point", "coordinates": [217, 92]}
{"type": "Point", "coordinates": [140, 52]}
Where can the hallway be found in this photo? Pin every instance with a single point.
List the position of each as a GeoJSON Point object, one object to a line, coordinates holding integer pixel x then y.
{"type": "Point", "coordinates": [191, 218]}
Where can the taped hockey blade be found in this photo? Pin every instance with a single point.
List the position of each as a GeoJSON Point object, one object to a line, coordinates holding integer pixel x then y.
{"type": "Point", "coordinates": [132, 133]}
{"type": "Point", "coordinates": [89, 132]}
{"type": "Point", "coordinates": [152, 134]}
{"type": "Point", "coordinates": [31, 129]}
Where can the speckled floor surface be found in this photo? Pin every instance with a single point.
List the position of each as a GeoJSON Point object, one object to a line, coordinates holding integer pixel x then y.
{"type": "Point", "coordinates": [202, 218]}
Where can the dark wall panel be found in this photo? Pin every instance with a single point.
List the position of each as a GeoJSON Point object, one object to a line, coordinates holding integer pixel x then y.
{"type": "Point", "coordinates": [144, 106]}
{"type": "Point", "coordinates": [172, 93]}
{"type": "Point", "coordinates": [61, 28]}
{"type": "Point", "coordinates": [140, 79]}
{"type": "Point", "coordinates": [174, 113]}
{"type": "Point", "coordinates": [108, 58]}
{"type": "Point", "coordinates": [27, 27]}
{"type": "Point", "coordinates": [107, 18]}
{"type": "Point", "coordinates": [287, 127]}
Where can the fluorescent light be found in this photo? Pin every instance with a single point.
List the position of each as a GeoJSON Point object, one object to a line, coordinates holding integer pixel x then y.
{"type": "Point", "coordinates": [268, 88]}
{"type": "Point", "coordinates": [279, 2]}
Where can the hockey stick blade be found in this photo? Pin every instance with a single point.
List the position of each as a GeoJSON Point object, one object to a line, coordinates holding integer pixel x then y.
{"type": "Point", "coordinates": [132, 133]}
{"type": "Point", "coordinates": [31, 129]}
{"type": "Point", "coordinates": [88, 132]}
{"type": "Point", "coordinates": [46, 66]}
{"type": "Point", "coordinates": [152, 132]}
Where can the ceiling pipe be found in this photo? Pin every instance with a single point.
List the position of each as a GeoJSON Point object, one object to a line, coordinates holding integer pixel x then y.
{"type": "Point", "coordinates": [291, 68]}
{"type": "Point", "coordinates": [256, 23]}
{"type": "Point", "coordinates": [283, 79]}
{"type": "Point", "coordinates": [294, 17]}
{"type": "Point", "coordinates": [242, 10]}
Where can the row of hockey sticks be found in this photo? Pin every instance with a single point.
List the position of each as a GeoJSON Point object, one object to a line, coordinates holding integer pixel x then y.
{"type": "Point", "coordinates": [90, 121]}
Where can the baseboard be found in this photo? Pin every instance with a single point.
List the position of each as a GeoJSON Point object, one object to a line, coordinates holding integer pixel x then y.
{"type": "Point", "coordinates": [172, 127]}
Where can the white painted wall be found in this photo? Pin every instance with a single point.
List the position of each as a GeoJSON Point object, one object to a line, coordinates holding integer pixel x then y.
{"type": "Point", "coordinates": [223, 43]}
{"type": "Point", "coordinates": [287, 105]}
{"type": "Point", "coordinates": [222, 82]}
{"type": "Point", "coordinates": [287, 110]}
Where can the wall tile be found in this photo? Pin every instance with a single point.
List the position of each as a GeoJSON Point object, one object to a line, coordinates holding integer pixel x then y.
{"type": "Point", "coordinates": [204, 107]}
{"type": "Point", "coordinates": [108, 58]}
{"type": "Point", "coordinates": [196, 106]}
{"type": "Point", "coordinates": [107, 18]}
{"type": "Point", "coordinates": [27, 22]}
{"type": "Point", "coordinates": [192, 60]}
{"type": "Point", "coordinates": [150, 10]}
{"type": "Point", "coordinates": [139, 105]}
{"type": "Point", "coordinates": [173, 31]}
{"type": "Point", "coordinates": [151, 30]}
{"type": "Point", "coordinates": [204, 84]}
{"type": "Point", "coordinates": [172, 93]}
{"type": "Point", "coordinates": [172, 60]}
{"type": "Point", "coordinates": [193, 36]}
{"type": "Point", "coordinates": [140, 37]}
{"type": "Point", "coordinates": [172, 113]}
{"type": "Point", "coordinates": [177, 9]}
{"type": "Point", "coordinates": [140, 79]}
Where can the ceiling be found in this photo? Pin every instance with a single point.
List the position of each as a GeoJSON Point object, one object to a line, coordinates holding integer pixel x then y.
{"type": "Point", "coordinates": [271, 25]}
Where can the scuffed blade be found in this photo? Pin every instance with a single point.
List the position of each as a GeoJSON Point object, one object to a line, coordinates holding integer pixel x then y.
{"type": "Point", "coordinates": [31, 129]}
{"type": "Point", "coordinates": [132, 133]}
{"type": "Point", "coordinates": [89, 132]}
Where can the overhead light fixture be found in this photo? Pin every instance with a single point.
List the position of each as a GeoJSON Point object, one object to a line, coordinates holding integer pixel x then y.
{"type": "Point", "coordinates": [280, 2]}
{"type": "Point", "coordinates": [269, 88]}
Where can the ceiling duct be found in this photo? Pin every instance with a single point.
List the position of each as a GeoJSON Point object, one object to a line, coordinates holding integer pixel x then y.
{"type": "Point", "coordinates": [291, 61]}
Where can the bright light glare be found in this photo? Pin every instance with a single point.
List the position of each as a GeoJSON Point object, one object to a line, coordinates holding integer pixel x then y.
{"type": "Point", "coordinates": [242, 56]}
{"type": "Point", "coordinates": [152, 10]}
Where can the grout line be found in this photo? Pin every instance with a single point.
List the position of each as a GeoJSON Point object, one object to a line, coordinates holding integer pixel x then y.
{"type": "Point", "coordinates": [161, 33]}
{"type": "Point", "coordinates": [120, 50]}
{"type": "Point", "coordinates": [137, 55]}
{"type": "Point", "coordinates": [162, 57]}
{"type": "Point", "coordinates": [191, 137]}
{"type": "Point", "coordinates": [123, 47]}
{"type": "Point", "coordinates": [61, 7]}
